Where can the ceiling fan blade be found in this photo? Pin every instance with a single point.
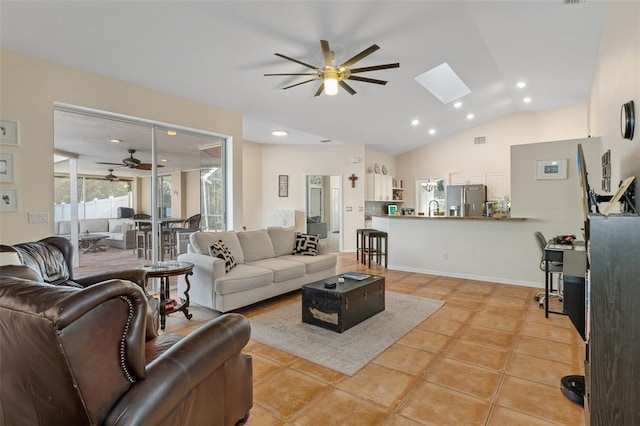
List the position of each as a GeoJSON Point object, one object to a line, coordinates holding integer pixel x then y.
{"type": "Point", "coordinates": [298, 84]}
{"type": "Point", "coordinates": [367, 80]}
{"type": "Point", "coordinates": [374, 68]}
{"type": "Point", "coordinates": [301, 73]}
{"type": "Point", "coordinates": [320, 89]}
{"type": "Point", "coordinates": [147, 166]}
{"type": "Point", "coordinates": [326, 53]}
{"type": "Point", "coordinates": [346, 87]}
{"type": "Point", "coordinates": [296, 61]}
{"type": "Point", "coordinates": [110, 164]}
{"type": "Point", "coordinates": [366, 52]}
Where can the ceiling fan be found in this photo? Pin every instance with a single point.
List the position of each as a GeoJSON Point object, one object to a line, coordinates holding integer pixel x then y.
{"type": "Point", "coordinates": [131, 162]}
{"type": "Point", "coordinates": [111, 177]}
{"type": "Point", "coordinates": [332, 75]}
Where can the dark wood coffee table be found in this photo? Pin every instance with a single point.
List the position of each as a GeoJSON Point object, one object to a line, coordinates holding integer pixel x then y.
{"type": "Point", "coordinates": [341, 308]}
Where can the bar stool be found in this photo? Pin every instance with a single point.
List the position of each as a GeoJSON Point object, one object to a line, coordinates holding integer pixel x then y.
{"type": "Point", "coordinates": [143, 244]}
{"type": "Point", "coordinates": [375, 239]}
{"type": "Point", "coordinates": [360, 243]}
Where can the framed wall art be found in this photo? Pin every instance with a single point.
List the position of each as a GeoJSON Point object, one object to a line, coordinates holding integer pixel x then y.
{"type": "Point", "coordinates": [9, 133]}
{"type": "Point", "coordinates": [551, 169]}
{"type": "Point", "coordinates": [283, 185]}
{"type": "Point", "coordinates": [6, 168]}
{"type": "Point", "coordinates": [8, 200]}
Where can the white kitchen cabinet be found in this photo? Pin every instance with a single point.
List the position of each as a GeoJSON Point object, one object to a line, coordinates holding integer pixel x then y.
{"type": "Point", "coordinates": [498, 185]}
{"type": "Point", "coordinates": [379, 187]}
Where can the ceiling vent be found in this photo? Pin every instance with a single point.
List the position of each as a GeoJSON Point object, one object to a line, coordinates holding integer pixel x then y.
{"type": "Point", "coordinates": [573, 1]}
{"type": "Point", "coordinates": [479, 140]}
{"type": "Point", "coordinates": [325, 141]}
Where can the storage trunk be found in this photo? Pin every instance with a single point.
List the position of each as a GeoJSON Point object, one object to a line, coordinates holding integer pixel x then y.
{"type": "Point", "coordinates": [341, 308]}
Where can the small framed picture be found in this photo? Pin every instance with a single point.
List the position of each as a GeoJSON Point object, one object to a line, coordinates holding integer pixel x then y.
{"type": "Point", "coordinates": [6, 168]}
{"type": "Point", "coordinates": [9, 133]}
{"type": "Point", "coordinates": [283, 185]}
{"type": "Point", "coordinates": [8, 200]}
{"type": "Point", "coordinates": [551, 169]}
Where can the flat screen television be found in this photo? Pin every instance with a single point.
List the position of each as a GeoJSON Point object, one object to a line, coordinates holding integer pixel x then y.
{"type": "Point", "coordinates": [584, 184]}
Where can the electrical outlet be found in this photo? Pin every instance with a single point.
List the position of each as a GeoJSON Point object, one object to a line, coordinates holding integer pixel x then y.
{"type": "Point", "coordinates": [443, 255]}
{"type": "Point", "coordinates": [38, 217]}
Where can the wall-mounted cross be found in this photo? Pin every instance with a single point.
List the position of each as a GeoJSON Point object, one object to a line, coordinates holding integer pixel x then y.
{"type": "Point", "coordinates": [353, 178]}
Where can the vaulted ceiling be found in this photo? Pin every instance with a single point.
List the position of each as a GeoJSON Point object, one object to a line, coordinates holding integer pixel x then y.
{"type": "Point", "coordinates": [216, 52]}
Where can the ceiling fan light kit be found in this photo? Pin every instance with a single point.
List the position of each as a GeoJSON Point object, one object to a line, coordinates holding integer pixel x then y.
{"type": "Point", "coordinates": [331, 76]}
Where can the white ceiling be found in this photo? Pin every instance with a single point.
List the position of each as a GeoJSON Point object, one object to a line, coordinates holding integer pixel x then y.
{"type": "Point", "coordinates": [216, 52]}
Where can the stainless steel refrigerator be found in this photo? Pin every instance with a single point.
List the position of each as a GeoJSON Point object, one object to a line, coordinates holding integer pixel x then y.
{"type": "Point", "coordinates": [466, 200]}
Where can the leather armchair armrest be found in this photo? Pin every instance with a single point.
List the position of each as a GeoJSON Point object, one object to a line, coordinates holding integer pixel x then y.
{"type": "Point", "coordinates": [174, 375]}
{"type": "Point", "coordinates": [137, 276]}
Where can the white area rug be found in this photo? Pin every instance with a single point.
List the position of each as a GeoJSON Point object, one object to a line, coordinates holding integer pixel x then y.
{"type": "Point", "coordinates": [350, 351]}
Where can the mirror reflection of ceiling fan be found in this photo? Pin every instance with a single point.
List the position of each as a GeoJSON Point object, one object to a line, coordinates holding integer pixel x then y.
{"type": "Point", "coordinates": [332, 75]}
{"type": "Point", "coordinates": [131, 162]}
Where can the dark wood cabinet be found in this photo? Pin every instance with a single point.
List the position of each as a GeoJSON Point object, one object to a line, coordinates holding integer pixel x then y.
{"type": "Point", "coordinates": [612, 367]}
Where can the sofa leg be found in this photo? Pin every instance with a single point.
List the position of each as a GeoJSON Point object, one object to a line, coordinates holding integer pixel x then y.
{"type": "Point", "coordinates": [243, 419]}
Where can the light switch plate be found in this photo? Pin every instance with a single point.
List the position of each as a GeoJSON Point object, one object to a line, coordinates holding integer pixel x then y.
{"type": "Point", "coordinates": [38, 217]}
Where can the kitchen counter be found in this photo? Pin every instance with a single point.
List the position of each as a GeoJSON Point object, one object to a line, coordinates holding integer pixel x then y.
{"type": "Point", "coordinates": [499, 250]}
{"type": "Point", "coordinates": [505, 219]}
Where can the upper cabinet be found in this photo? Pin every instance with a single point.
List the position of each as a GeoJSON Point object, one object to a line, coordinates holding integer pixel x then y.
{"type": "Point", "coordinates": [498, 183]}
{"type": "Point", "coordinates": [379, 187]}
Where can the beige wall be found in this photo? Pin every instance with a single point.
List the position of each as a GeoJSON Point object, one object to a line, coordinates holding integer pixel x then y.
{"type": "Point", "coordinates": [29, 88]}
{"type": "Point", "coordinates": [459, 155]}
{"type": "Point", "coordinates": [252, 186]}
{"type": "Point", "coordinates": [298, 161]}
{"type": "Point", "coordinates": [616, 81]}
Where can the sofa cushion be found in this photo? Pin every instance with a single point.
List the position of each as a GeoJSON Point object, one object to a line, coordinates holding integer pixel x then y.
{"type": "Point", "coordinates": [283, 239]}
{"type": "Point", "coordinates": [221, 251]}
{"type": "Point", "coordinates": [256, 245]}
{"type": "Point", "coordinates": [120, 225]}
{"type": "Point", "coordinates": [201, 241]}
{"type": "Point", "coordinates": [94, 225]}
{"type": "Point", "coordinates": [306, 244]}
{"type": "Point", "coordinates": [314, 263]}
{"type": "Point", "coordinates": [242, 278]}
{"type": "Point", "coordinates": [283, 269]}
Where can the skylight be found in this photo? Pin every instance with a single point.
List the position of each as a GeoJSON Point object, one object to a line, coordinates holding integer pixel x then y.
{"type": "Point", "coordinates": [443, 83]}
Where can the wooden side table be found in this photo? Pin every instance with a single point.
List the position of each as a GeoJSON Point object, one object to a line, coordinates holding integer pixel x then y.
{"type": "Point", "coordinates": [164, 270]}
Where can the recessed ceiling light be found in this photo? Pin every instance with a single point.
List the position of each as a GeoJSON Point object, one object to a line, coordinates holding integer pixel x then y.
{"type": "Point", "coordinates": [115, 140]}
{"type": "Point", "coordinates": [171, 132]}
{"type": "Point", "coordinates": [470, 116]}
{"type": "Point", "coordinates": [164, 160]}
{"type": "Point", "coordinates": [457, 104]}
{"type": "Point", "coordinates": [415, 122]}
{"type": "Point", "coordinates": [279, 133]}
{"type": "Point", "coordinates": [432, 131]}
{"type": "Point", "coordinates": [526, 100]}
{"type": "Point", "coordinates": [521, 85]}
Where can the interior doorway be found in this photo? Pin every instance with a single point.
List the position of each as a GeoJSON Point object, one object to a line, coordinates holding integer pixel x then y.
{"type": "Point", "coordinates": [323, 208]}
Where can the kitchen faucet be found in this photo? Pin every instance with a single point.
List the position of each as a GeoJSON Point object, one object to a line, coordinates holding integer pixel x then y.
{"type": "Point", "coordinates": [437, 207]}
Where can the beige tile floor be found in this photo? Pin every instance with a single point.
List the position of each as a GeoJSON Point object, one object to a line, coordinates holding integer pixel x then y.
{"type": "Point", "coordinates": [487, 357]}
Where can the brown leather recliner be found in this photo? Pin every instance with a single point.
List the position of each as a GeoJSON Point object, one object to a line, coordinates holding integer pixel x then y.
{"type": "Point", "coordinates": [52, 259]}
{"type": "Point", "coordinates": [77, 356]}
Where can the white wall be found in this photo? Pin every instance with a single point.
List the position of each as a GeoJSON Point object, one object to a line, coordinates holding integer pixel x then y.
{"type": "Point", "coordinates": [31, 86]}
{"type": "Point", "coordinates": [616, 81]}
{"type": "Point", "coordinates": [298, 161]}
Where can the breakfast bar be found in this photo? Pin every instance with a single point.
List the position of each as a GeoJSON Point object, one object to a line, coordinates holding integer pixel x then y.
{"type": "Point", "coordinates": [501, 250]}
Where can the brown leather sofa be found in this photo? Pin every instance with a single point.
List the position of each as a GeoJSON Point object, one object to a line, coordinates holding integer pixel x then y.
{"type": "Point", "coordinates": [78, 356]}
{"type": "Point", "coordinates": [52, 260]}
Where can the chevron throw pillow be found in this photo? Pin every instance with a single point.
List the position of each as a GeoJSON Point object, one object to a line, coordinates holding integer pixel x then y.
{"type": "Point", "coordinates": [306, 244]}
{"type": "Point", "coordinates": [221, 251]}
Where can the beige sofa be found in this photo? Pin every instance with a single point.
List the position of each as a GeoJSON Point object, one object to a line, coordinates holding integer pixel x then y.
{"type": "Point", "coordinates": [120, 233]}
{"type": "Point", "coordinates": [265, 267]}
